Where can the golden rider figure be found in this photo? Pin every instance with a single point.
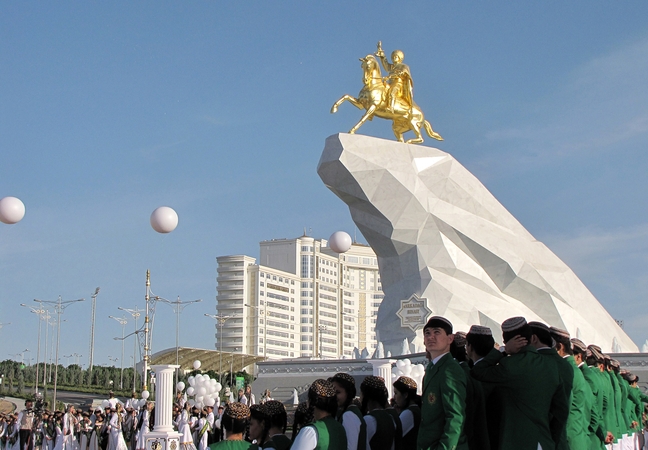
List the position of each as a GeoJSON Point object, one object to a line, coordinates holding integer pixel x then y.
{"type": "Point", "coordinates": [399, 78]}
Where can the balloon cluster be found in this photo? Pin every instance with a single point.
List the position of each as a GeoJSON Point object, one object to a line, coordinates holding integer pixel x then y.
{"type": "Point", "coordinates": [204, 390]}
{"type": "Point", "coordinates": [404, 367]}
{"type": "Point", "coordinates": [137, 404]}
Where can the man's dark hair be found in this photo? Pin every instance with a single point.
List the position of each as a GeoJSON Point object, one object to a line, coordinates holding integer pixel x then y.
{"type": "Point", "coordinates": [481, 343]}
{"type": "Point", "coordinates": [565, 342]}
{"type": "Point", "coordinates": [543, 335]}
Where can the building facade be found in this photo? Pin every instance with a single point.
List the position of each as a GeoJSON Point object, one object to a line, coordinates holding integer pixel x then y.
{"type": "Point", "coordinates": [301, 300]}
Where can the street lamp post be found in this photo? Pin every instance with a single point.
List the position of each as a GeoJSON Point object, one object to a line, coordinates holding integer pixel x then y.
{"type": "Point", "coordinates": [92, 329]}
{"type": "Point", "coordinates": [220, 319]}
{"type": "Point", "coordinates": [178, 306]}
{"type": "Point", "coordinates": [122, 321]}
{"type": "Point", "coordinates": [59, 307]}
{"type": "Point", "coordinates": [135, 313]}
{"type": "Point", "coordinates": [40, 312]}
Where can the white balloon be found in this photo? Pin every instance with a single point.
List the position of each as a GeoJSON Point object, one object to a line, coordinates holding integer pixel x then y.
{"type": "Point", "coordinates": [199, 379]}
{"type": "Point", "coordinates": [191, 402]}
{"type": "Point", "coordinates": [191, 390]}
{"type": "Point", "coordinates": [164, 220]}
{"type": "Point", "coordinates": [407, 361]}
{"type": "Point", "coordinates": [210, 401]}
{"type": "Point", "coordinates": [201, 391]}
{"type": "Point", "coordinates": [105, 404]}
{"type": "Point", "coordinates": [191, 381]}
{"type": "Point", "coordinates": [12, 210]}
{"type": "Point", "coordinates": [196, 363]}
{"type": "Point", "coordinates": [400, 363]}
{"type": "Point", "coordinates": [218, 387]}
{"type": "Point", "coordinates": [145, 394]}
{"type": "Point", "coordinates": [340, 242]}
{"type": "Point", "coordinates": [199, 405]}
{"type": "Point", "coordinates": [180, 386]}
{"type": "Point", "coordinates": [198, 398]}
{"type": "Point", "coordinates": [407, 370]}
{"type": "Point", "coordinates": [206, 377]}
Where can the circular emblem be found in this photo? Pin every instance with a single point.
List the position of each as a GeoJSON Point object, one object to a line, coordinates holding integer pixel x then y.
{"type": "Point", "coordinates": [432, 398]}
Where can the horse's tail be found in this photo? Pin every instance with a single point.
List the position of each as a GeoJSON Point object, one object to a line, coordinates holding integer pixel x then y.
{"type": "Point", "coordinates": [430, 132]}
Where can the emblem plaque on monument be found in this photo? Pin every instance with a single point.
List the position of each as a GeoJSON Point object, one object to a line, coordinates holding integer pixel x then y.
{"type": "Point", "coordinates": [443, 241]}
{"type": "Point", "coordinates": [413, 312]}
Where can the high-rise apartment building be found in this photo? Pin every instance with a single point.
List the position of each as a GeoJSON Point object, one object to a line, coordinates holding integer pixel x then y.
{"type": "Point", "coordinates": [301, 300]}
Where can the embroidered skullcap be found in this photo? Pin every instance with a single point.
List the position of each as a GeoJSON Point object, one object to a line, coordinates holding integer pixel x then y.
{"type": "Point", "coordinates": [344, 377]}
{"type": "Point", "coordinates": [596, 352]}
{"type": "Point", "coordinates": [540, 326]}
{"type": "Point", "coordinates": [513, 324]}
{"type": "Point", "coordinates": [405, 383]}
{"type": "Point", "coordinates": [237, 411]}
{"type": "Point", "coordinates": [559, 333]}
{"type": "Point", "coordinates": [302, 408]}
{"type": "Point", "coordinates": [439, 322]}
{"type": "Point", "coordinates": [258, 412]}
{"type": "Point", "coordinates": [607, 358]}
{"type": "Point", "coordinates": [373, 382]}
{"type": "Point", "coordinates": [614, 363]}
{"type": "Point", "coordinates": [460, 338]}
{"type": "Point", "coordinates": [480, 330]}
{"type": "Point", "coordinates": [323, 388]}
{"type": "Point", "coordinates": [578, 345]}
{"type": "Point", "coordinates": [274, 408]}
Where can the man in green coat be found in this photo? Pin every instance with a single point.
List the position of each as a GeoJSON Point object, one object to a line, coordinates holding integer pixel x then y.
{"type": "Point", "coordinates": [543, 342]}
{"type": "Point", "coordinates": [531, 391]}
{"type": "Point", "coordinates": [443, 410]}
{"type": "Point", "coordinates": [580, 411]}
{"type": "Point", "coordinates": [596, 433]}
{"type": "Point", "coordinates": [596, 362]}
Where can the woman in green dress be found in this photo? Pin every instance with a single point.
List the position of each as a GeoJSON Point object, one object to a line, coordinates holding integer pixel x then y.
{"type": "Point", "coordinates": [233, 423]}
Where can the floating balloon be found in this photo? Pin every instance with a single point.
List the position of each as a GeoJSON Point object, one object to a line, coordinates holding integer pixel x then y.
{"type": "Point", "coordinates": [340, 242]}
{"type": "Point", "coordinates": [164, 219]}
{"type": "Point", "coordinates": [105, 404]}
{"type": "Point", "coordinates": [191, 381]}
{"type": "Point", "coordinates": [12, 210]}
{"type": "Point", "coordinates": [196, 363]}
{"type": "Point", "coordinates": [145, 394]}
{"type": "Point", "coordinates": [210, 401]}
{"type": "Point", "coordinates": [180, 386]}
{"type": "Point", "coordinates": [190, 391]}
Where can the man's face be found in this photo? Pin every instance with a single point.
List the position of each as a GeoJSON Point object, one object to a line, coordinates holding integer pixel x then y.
{"type": "Point", "coordinates": [437, 341]}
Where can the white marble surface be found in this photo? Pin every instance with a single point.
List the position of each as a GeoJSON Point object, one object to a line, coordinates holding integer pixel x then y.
{"type": "Point", "coordinates": [440, 234]}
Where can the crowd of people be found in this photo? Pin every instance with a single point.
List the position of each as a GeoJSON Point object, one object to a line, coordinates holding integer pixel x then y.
{"type": "Point", "coordinates": [541, 390]}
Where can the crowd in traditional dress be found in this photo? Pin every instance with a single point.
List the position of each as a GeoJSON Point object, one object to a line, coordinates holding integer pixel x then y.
{"type": "Point", "coordinates": [541, 390]}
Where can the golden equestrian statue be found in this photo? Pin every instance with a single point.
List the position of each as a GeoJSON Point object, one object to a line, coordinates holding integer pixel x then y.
{"type": "Point", "coordinates": [389, 98]}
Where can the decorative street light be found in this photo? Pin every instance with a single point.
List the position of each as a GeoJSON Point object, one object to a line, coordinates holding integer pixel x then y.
{"type": "Point", "coordinates": [220, 319]}
{"type": "Point", "coordinates": [59, 307]}
{"type": "Point", "coordinates": [40, 312]}
{"type": "Point", "coordinates": [135, 313]}
{"type": "Point", "coordinates": [122, 321]}
{"type": "Point", "coordinates": [92, 329]}
{"type": "Point", "coordinates": [178, 306]}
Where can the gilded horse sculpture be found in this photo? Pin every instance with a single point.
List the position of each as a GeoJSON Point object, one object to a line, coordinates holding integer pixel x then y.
{"type": "Point", "coordinates": [389, 98]}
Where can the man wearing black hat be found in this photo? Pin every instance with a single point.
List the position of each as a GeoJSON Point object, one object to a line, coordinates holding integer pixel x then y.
{"type": "Point", "coordinates": [530, 387]}
{"type": "Point", "coordinates": [444, 391]}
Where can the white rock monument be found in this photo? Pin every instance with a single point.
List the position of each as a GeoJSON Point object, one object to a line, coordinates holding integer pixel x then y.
{"type": "Point", "coordinates": [446, 246]}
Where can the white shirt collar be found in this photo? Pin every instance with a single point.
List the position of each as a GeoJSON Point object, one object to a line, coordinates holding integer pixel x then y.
{"type": "Point", "coordinates": [436, 360]}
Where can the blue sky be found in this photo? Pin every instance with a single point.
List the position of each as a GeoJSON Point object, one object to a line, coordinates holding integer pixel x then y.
{"type": "Point", "coordinates": [109, 110]}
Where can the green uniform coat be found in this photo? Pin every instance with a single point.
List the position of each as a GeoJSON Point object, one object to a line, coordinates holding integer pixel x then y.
{"type": "Point", "coordinates": [580, 411]}
{"type": "Point", "coordinates": [530, 394]}
{"type": "Point", "coordinates": [566, 375]}
{"type": "Point", "coordinates": [443, 411]}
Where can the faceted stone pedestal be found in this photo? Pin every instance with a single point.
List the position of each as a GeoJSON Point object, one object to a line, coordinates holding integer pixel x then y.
{"type": "Point", "coordinates": [163, 437]}
{"type": "Point", "coordinates": [382, 368]}
{"type": "Point", "coordinates": [447, 247]}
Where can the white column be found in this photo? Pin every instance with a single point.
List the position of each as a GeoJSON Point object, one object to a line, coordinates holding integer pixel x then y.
{"type": "Point", "coordinates": [383, 368]}
{"type": "Point", "coordinates": [163, 397]}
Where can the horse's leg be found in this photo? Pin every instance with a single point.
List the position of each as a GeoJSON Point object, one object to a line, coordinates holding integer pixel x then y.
{"type": "Point", "coordinates": [398, 132]}
{"type": "Point", "coordinates": [370, 112]}
{"type": "Point", "coordinates": [416, 128]}
{"type": "Point", "coordinates": [354, 101]}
